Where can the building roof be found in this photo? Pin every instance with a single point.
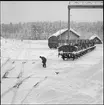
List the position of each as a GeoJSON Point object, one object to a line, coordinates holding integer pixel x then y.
{"type": "Point", "coordinates": [89, 36]}
{"type": "Point", "coordinates": [75, 32]}
{"type": "Point", "coordinates": [59, 32]}
{"type": "Point", "coordinates": [64, 30]}
{"type": "Point", "coordinates": [94, 36]}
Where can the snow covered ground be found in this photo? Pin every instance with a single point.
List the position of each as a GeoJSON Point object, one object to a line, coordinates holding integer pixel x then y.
{"type": "Point", "coordinates": [77, 82]}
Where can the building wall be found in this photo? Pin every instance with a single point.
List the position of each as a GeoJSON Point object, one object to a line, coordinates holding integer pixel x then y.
{"type": "Point", "coordinates": [97, 41]}
{"type": "Point", "coordinates": [64, 36]}
{"type": "Point", "coordinates": [54, 41]}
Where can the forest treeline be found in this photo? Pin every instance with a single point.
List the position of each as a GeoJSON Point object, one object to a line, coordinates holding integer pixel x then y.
{"type": "Point", "coordinates": [42, 30]}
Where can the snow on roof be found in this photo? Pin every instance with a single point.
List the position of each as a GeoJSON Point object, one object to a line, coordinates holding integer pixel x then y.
{"type": "Point", "coordinates": [94, 36]}
{"type": "Point", "coordinates": [59, 32]}
{"type": "Point", "coordinates": [75, 32]}
{"type": "Point", "coordinates": [64, 30]}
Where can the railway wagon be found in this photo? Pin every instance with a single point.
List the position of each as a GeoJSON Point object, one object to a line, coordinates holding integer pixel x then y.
{"type": "Point", "coordinates": [76, 49]}
{"type": "Point", "coordinates": [66, 51]}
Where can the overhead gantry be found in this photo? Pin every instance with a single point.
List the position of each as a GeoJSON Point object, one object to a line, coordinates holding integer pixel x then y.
{"type": "Point", "coordinates": [82, 5]}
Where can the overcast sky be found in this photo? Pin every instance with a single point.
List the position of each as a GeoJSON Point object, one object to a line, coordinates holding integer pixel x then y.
{"type": "Point", "coordinates": [31, 11]}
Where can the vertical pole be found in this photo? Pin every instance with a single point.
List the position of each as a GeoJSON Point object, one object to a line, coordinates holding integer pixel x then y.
{"type": "Point", "coordinates": [60, 33]}
{"type": "Point", "coordinates": [68, 23]}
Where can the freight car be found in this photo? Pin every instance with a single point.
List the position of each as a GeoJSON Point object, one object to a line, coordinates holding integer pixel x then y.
{"type": "Point", "coordinates": [76, 49]}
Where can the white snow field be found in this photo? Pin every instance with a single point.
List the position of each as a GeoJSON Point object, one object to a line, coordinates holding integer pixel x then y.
{"type": "Point", "coordinates": [77, 82]}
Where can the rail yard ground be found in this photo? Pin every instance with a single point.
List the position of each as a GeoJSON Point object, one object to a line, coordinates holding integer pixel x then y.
{"type": "Point", "coordinates": [62, 82]}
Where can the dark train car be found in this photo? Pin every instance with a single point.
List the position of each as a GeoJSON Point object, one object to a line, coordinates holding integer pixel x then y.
{"type": "Point", "coordinates": [76, 49]}
{"type": "Point", "coordinates": [61, 38]}
{"type": "Point", "coordinates": [67, 48]}
{"type": "Point", "coordinates": [66, 51]}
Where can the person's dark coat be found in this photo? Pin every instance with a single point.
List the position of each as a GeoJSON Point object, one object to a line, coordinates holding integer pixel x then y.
{"type": "Point", "coordinates": [43, 61]}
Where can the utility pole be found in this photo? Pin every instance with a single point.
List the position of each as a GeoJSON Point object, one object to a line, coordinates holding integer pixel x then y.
{"type": "Point", "coordinates": [68, 23]}
{"type": "Point", "coordinates": [60, 33]}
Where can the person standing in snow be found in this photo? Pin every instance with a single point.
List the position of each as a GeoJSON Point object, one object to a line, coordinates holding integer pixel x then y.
{"type": "Point", "coordinates": [43, 61]}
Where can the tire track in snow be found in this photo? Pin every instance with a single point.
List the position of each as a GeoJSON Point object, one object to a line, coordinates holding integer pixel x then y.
{"type": "Point", "coordinates": [15, 86]}
{"type": "Point", "coordinates": [34, 86]}
{"type": "Point", "coordinates": [14, 96]}
{"type": "Point", "coordinates": [5, 62]}
{"type": "Point", "coordinates": [19, 77]}
{"type": "Point", "coordinates": [6, 73]}
{"type": "Point", "coordinates": [18, 84]}
{"type": "Point", "coordinates": [22, 70]}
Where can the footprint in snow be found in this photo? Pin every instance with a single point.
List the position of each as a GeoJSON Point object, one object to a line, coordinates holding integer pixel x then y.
{"type": "Point", "coordinates": [13, 62]}
{"type": "Point", "coordinates": [23, 62]}
{"type": "Point", "coordinates": [57, 72]}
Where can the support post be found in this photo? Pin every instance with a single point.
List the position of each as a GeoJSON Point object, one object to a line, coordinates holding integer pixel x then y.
{"type": "Point", "coordinates": [68, 23]}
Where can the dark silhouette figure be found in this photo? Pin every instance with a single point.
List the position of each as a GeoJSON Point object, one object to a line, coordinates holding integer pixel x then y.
{"type": "Point", "coordinates": [43, 61]}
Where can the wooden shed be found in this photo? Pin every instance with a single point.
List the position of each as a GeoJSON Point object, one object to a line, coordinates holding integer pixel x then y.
{"type": "Point", "coordinates": [96, 39]}
{"type": "Point", "coordinates": [61, 36]}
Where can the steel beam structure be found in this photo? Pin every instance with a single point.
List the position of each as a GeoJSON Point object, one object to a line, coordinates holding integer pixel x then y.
{"type": "Point", "coordinates": [83, 5]}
